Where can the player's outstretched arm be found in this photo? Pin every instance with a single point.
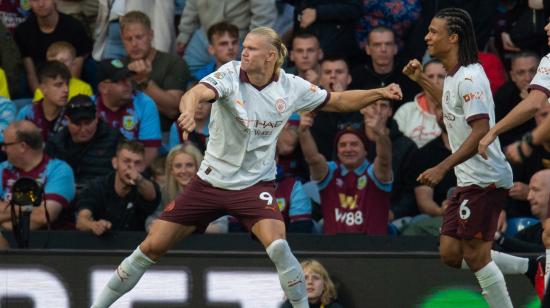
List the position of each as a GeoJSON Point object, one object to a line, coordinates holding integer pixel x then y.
{"type": "Point", "coordinates": [433, 176]}
{"type": "Point", "coordinates": [355, 100]}
{"type": "Point", "coordinates": [317, 163]}
{"type": "Point", "coordinates": [188, 104]}
{"type": "Point", "coordinates": [523, 111]}
{"type": "Point", "coordinates": [414, 71]}
{"type": "Point", "coordinates": [542, 132]}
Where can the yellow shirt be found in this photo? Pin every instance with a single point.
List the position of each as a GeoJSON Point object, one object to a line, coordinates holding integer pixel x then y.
{"type": "Point", "coordinates": [76, 86]}
{"type": "Point", "coordinates": [4, 91]}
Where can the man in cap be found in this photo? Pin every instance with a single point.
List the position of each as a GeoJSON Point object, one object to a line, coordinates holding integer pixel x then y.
{"type": "Point", "coordinates": [134, 114]}
{"type": "Point", "coordinates": [355, 193]}
{"type": "Point", "coordinates": [87, 143]}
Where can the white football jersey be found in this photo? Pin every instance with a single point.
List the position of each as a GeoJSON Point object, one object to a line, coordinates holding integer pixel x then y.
{"type": "Point", "coordinates": [541, 81]}
{"type": "Point", "coordinates": [467, 97]}
{"type": "Point", "coordinates": [245, 122]}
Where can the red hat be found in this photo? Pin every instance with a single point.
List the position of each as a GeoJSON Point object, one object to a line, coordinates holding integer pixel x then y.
{"type": "Point", "coordinates": [350, 130]}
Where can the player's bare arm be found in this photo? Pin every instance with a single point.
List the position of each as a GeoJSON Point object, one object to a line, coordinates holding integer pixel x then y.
{"type": "Point", "coordinates": [318, 167]}
{"type": "Point", "coordinates": [434, 175]}
{"type": "Point", "coordinates": [414, 71]}
{"type": "Point", "coordinates": [355, 100]}
{"type": "Point", "coordinates": [523, 111]}
{"type": "Point", "coordinates": [188, 104]}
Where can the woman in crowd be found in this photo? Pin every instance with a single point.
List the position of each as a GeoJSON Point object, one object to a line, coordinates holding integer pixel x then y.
{"type": "Point", "coordinates": [321, 292]}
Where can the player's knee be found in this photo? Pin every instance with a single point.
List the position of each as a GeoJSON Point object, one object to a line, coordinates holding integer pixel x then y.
{"type": "Point", "coordinates": [153, 250]}
{"type": "Point", "coordinates": [278, 250]}
{"type": "Point", "coordinates": [450, 258]}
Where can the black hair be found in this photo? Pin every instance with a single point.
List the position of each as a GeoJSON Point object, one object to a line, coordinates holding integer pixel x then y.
{"type": "Point", "coordinates": [52, 70]}
{"type": "Point", "coordinates": [460, 23]}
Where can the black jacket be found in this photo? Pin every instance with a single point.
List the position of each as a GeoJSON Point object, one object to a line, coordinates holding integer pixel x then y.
{"type": "Point", "coordinates": [88, 160]}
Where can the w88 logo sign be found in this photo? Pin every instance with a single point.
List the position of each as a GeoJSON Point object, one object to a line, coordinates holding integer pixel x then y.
{"type": "Point", "coordinates": [352, 218]}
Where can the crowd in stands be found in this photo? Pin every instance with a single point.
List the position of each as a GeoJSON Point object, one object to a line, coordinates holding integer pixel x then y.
{"type": "Point", "coordinates": [90, 91]}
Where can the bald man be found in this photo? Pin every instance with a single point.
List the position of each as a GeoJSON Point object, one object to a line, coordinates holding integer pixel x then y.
{"type": "Point", "coordinates": [23, 145]}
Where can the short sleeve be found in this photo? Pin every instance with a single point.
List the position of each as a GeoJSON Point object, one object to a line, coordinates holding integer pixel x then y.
{"type": "Point", "coordinates": [8, 112]}
{"type": "Point", "coordinates": [173, 138]}
{"type": "Point", "coordinates": [324, 182]}
{"type": "Point", "coordinates": [387, 187]}
{"type": "Point", "coordinates": [221, 81]}
{"type": "Point", "coordinates": [300, 204]}
{"type": "Point", "coordinates": [149, 123]}
{"type": "Point", "coordinates": [474, 100]}
{"type": "Point", "coordinates": [308, 96]}
{"type": "Point", "coordinates": [541, 81]}
{"type": "Point", "coordinates": [59, 184]}
{"type": "Point", "coordinates": [25, 113]}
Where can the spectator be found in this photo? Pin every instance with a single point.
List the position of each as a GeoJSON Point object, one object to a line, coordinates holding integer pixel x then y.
{"type": "Point", "coordinates": [12, 13]}
{"type": "Point", "coordinates": [42, 28]}
{"type": "Point", "coordinates": [245, 14]}
{"type": "Point", "coordinates": [399, 16]}
{"type": "Point", "coordinates": [121, 200]}
{"type": "Point", "coordinates": [133, 114]}
{"type": "Point", "coordinates": [48, 113]}
{"type": "Point", "coordinates": [182, 163]}
{"type": "Point", "coordinates": [108, 43]}
{"type": "Point", "coordinates": [306, 54]}
{"type": "Point", "coordinates": [10, 60]}
{"type": "Point", "coordinates": [8, 112]}
{"type": "Point", "coordinates": [354, 192]}
{"type": "Point", "coordinates": [417, 119]}
{"type": "Point", "coordinates": [530, 238]}
{"type": "Point", "coordinates": [523, 67]}
{"type": "Point", "coordinates": [382, 68]}
{"type": "Point", "coordinates": [333, 23]}
{"type": "Point", "coordinates": [403, 150]}
{"type": "Point", "coordinates": [431, 201]}
{"type": "Point", "coordinates": [525, 162]}
{"type": "Point", "coordinates": [199, 137]}
{"type": "Point", "coordinates": [321, 292]}
{"type": "Point", "coordinates": [4, 89]}
{"type": "Point", "coordinates": [294, 203]}
{"type": "Point", "coordinates": [334, 77]}
{"type": "Point", "coordinates": [223, 45]}
{"type": "Point", "coordinates": [87, 144]}
{"type": "Point", "coordinates": [23, 145]}
{"type": "Point", "coordinates": [162, 76]}
{"type": "Point", "coordinates": [65, 53]}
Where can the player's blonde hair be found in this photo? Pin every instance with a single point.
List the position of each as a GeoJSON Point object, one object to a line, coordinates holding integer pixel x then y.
{"type": "Point", "coordinates": [172, 189]}
{"type": "Point", "coordinates": [329, 290]}
{"type": "Point", "coordinates": [275, 41]}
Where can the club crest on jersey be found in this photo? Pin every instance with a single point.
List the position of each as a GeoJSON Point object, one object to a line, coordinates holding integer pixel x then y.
{"type": "Point", "coordinates": [281, 203]}
{"type": "Point", "coordinates": [313, 88]}
{"type": "Point", "coordinates": [219, 75]}
{"type": "Point", "coordinates": [447, 97]}
{"type": "Point", "coordinates": [280, 105]}
{"type": "Point", "coordinates": [128, 122]}
{"type": "Point", "coordinates": [362, 182]}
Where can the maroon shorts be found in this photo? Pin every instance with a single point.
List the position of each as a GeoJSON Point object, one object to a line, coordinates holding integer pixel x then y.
{"type": "Point", "coordinates": [200, 203]}
{"type": "Point", "coordinates": [473, 212]}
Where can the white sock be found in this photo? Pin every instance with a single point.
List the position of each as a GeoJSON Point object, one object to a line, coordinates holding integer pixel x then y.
{"type": "Point", "coordinates": [493, 286]}
{"type": "Point", "coordinates": [290, 272]}
{"type": "Point", "coordinates": [124, 279]}
{"type": "Point", "coordinates": [508, 264]}
{"type": "Point", "coordinates": [547, 268]}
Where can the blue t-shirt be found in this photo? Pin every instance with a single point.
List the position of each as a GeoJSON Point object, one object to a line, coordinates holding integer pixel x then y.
{"type": "Point", "coordinates": [8, 112]}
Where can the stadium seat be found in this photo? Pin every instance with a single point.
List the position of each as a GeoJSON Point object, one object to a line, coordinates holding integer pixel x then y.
{"type": "Point", "coordinates": [519, 223]}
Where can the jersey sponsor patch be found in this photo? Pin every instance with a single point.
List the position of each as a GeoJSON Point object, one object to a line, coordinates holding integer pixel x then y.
{"type": "Point", "coordinates": [219, 75]}
{"type": "Point", "coordinates": [478, 95]}
{"type": "Point", "coordinates": [212, 80]}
